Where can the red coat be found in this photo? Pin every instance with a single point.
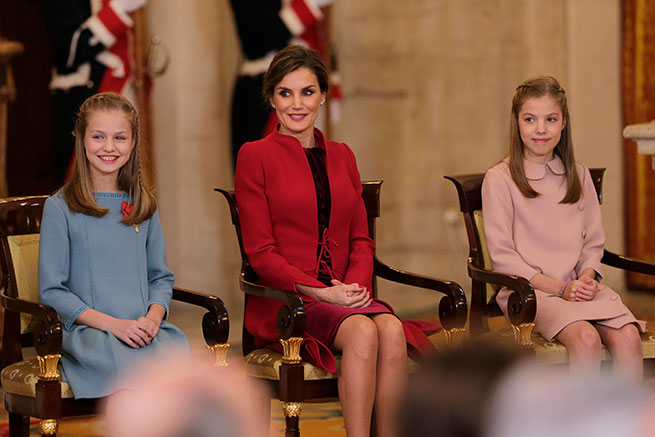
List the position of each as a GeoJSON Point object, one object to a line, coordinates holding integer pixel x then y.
{"type": "Point", "coordinates": [277, 207]}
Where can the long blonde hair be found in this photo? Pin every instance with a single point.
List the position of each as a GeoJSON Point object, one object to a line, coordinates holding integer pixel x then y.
{"type": "Point", "coordinates": [534, 88]}
{"type": "Point", "coordinates": [78, 191]}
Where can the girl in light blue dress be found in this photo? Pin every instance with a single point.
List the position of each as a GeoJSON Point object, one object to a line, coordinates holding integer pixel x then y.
{"type": "Point", "coordinates": [102, 260]}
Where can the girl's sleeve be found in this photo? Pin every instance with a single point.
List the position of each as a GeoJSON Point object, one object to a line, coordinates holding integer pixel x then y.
{"type": "Point", "coordinates": [54, 263]}
{"type": "Point", "coordinates": [160, 278]}
{"type": "Point", "coordinates": [362, 248]}
{"type": "Point", "coordinates": [257, 228]}
{"type": "Point", "coordinates": [498, 218]}
{"type": "Point", "coordinates": [594, 236]}
{"type": "Point", "coordinates": [78, 36]}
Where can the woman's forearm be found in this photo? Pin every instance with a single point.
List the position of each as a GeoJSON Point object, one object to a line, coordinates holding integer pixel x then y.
{"type": "Point", "coordinates": [95, 319]}
{"type": "Point", "coordinates": [312, 292]}
{"type": "Point", "coordinates": [546, 283]}
{"type": "Point", "coordinates": [588, 273]}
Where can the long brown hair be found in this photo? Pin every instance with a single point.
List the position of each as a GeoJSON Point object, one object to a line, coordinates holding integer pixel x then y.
{"type": "Point", "coordinates": [534, 88]}
{"type": "Point", "coordinates": [78, 191]}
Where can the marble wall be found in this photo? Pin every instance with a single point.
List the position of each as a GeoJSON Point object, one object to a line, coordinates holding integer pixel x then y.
{"type": "Point", "coordinates": [427, 87]}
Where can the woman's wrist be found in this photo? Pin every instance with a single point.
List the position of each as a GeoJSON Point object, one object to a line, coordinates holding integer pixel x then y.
{"type": "Point", "coordinates": [156, 313]}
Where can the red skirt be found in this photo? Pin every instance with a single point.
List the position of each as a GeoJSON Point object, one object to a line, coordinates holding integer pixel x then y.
{"type": "Point", "coordinates": [322, 323]}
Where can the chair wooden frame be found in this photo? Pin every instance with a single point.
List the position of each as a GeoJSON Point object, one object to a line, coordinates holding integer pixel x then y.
{"type": "Point", "coordinates": [522, 304]}
{"type": "Point", "coordinates": [291, 388]}
{"type": "Point", "coordinates": [22, 216]}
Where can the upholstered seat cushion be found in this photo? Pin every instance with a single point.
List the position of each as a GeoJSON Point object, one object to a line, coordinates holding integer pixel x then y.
{"type": "Point", "coordinates": [555, 352]}
{"type": "Point", "coordinates": [21, 377]}
{"type": "Point", "coordinates": [265, 363]}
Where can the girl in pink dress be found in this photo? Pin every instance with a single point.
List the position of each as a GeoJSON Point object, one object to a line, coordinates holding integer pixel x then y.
{"type": "Point", "coordinates": [542, 221]}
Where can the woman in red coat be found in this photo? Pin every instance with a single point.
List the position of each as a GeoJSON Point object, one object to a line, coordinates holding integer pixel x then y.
{"type": "Point", "coordinates": [304, 228]}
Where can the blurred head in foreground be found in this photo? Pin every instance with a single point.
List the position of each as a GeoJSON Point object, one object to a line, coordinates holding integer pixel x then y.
{"type": "Point", "coordinates": [449, 394]}
{"type": "Point", "coordinates": [544, 402]}
{"type": "Point", "coordinates": [185, 398]}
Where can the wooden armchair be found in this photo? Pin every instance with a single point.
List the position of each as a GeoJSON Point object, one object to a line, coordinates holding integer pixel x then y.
{"type": "Point", "coordinates": [33, 387]}
{"type": "Point", "coordinates": [522, 303]}
{"type": "Point", "coordinates": [293, 381]}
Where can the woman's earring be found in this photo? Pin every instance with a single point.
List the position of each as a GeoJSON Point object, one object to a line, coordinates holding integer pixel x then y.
{"type": "Point", "coordinates": [273, 105]}
{"type": "Point", "coordinates": [322, 102]}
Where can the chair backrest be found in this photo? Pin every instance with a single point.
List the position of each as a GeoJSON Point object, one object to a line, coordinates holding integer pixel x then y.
{"type": "Point", "coordinates": [469, 190]}
{"type": "Point", "coordinates": [371, 197]}
{"type": "Point", "coordinates": [20, 224]}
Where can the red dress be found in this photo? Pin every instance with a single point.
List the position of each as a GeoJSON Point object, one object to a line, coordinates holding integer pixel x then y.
{"type": "Point", "coordinates": [279, 212]}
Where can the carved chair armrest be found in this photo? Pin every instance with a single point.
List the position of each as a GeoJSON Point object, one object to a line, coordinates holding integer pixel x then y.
{"type": "Point", "coordinates": [216, 322]}
{"type": "Point", "coordinates": [290, 317]}
{"type": "Point", "coordinates": [452, 307]}
{"type": "Point", "coordinates": [47, 334]}
{"type": "Point", "coordinates": [631, 264]}
{"type": "Point", "coordinates": [522, 303]}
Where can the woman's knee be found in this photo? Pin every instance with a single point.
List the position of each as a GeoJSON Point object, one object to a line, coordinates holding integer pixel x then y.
{"type": "Point", "coordinates": [586, 341]}
{"type": "Point", "coordinates": [628, 341]}
{"type": "Point", "coordinates": [358, 333]}
{"type": "Point", "coordinates": [389, 325]}
{"type": "Point", "coordinates": [390, 331]}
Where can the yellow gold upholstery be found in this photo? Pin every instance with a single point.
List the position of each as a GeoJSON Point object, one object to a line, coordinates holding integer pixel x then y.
{"type": "Point", "coordinates": [25, 258]}
{"type": "Point", "coordinates": [265, 363]}
{"type": "Point", "coordinates": [479, 225]}
{"type": "Point", "coordinates": [555, 352]}
{"type": "Point", "coordinates": [21, 377]}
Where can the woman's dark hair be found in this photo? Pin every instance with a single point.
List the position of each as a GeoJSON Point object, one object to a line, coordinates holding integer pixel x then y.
{"type": "Point", "coordinates": [290, 59]}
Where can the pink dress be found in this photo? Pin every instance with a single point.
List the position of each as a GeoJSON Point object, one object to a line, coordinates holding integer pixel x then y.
{"type": "Point", "coordinates": [527, 236]}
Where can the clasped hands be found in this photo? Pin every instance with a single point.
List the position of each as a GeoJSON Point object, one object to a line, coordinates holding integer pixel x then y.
{"type": "Point", "coordinates": [583, 289]}
{"type": "Point", "coordinates": [345, 295]}
{"type": "Point", "coordinates": [136, 333]}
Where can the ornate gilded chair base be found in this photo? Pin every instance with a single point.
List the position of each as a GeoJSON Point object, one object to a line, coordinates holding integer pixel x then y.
{"type": "Point", "coordinates": [523, 334]}
{"type": "Point", "coordinates": [48, 427]}
{"type": "Point", "coordinates": [454, 336]}
{"type": "Point", "coordinates": [218, 354]}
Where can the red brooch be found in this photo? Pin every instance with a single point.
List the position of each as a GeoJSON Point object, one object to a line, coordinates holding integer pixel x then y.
{"type": "Point", "coordinates": [126, 208]}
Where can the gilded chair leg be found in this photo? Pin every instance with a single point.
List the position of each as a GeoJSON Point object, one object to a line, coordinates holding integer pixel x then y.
{"type": "Point", "coordinates": [523, 334]}
{"type": "Point", "coordinates": [218, 354]}
{"type": "Point", "coordinates": [454, 336]}
{"type": "Point", "coordinates": [48, 427]}
{"type": "Point", "coordinates": [292, 412]}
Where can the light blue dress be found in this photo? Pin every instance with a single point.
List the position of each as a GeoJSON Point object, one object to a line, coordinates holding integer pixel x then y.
{"type": "Point", "coordinates": [89, 262]}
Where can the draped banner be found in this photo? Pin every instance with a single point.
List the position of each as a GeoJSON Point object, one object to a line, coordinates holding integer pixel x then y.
{"type": "Point", "coordinates": [638, 91]}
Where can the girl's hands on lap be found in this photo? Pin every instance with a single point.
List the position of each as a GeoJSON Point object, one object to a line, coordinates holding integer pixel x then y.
{"type": "Point", "coordinates": [151, 322]}
{"type": "Point", "coordinates": [149, 326]}
{"type": "Point", "coordinates": [129, 332]}
{"type": "Point", "coordinates": [581, 290]}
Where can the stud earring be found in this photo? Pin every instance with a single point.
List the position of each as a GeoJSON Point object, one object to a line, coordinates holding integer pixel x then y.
{"type": "Point", "coordinates": [322, 102]}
